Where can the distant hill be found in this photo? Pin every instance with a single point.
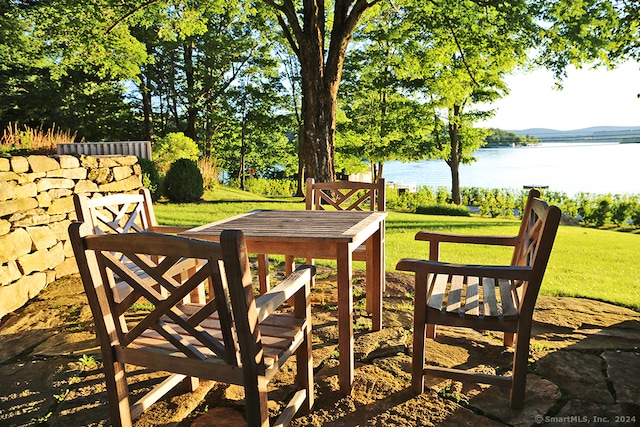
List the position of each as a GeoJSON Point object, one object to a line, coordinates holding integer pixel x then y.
{"type": "Point", "coordinates": [625, 134]}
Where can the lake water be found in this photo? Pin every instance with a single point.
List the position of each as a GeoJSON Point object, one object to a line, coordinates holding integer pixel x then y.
{"type": "Point", "coordinates": [571, 168]}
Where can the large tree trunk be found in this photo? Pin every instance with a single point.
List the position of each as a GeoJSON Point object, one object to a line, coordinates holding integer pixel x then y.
{"type": "Point", "coordinates": [319, 122]}
{"type": "Point", "coordinates": [320, 79]}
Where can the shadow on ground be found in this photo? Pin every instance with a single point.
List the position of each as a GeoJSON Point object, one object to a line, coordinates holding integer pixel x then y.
{"type": "Point", "coordinates": [584, 366]}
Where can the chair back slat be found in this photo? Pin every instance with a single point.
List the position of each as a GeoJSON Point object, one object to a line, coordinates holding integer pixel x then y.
{"type": "Point", "coordinates": [116, 213]}
{"type": "Point", "coordinates": [153, 261]}
{"type": "Point", "coordinates": [345, 195]}
{"type": "Point", "coordinates": [533, 247]}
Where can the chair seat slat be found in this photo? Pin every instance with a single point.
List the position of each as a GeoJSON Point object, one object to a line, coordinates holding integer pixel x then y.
{"type": "Point", "coordinates": [454, 299]}
{"type": "Point", "coordinates": [472, 297]}
{"type": "Point", "coordinates": [509, 307]}
{"type": "Point", "coordinates": [490, 302]}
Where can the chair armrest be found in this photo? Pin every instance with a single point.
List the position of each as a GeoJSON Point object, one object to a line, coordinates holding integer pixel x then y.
{"type": "Point", "coordinates": [493, 271]}
{"type": "Point", "coordinates": [167, 229]}
{"type": "Point", "coordinates": [269, 301]}
{"type": "Point", "coordinates": [435, 237]}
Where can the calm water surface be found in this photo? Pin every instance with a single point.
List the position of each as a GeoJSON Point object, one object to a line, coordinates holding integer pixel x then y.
{"type": "Point", "coordinates": [572, 168]}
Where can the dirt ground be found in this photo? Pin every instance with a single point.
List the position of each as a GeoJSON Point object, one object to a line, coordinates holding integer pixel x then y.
{"type": "Point", "coordinates": [584, 363]}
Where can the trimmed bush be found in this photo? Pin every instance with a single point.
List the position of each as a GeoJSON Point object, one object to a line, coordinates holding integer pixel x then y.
{"type": "Point", "coordinates": [448, 210]}
{"type": "Point", "coordinates": [183, 182]}
{"type": "Point", "coordinates": [150, 178]}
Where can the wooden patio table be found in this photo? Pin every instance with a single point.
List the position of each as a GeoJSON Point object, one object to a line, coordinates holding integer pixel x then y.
{"type": "Point", "coordinates": [322, 235]}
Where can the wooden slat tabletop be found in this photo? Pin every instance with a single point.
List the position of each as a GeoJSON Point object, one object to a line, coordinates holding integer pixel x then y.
{"type": "Point", "coordinates": [295, 225]}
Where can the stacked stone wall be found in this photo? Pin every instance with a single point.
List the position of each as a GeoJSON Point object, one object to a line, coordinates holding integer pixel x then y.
{"type": "Point", "coordinates": [36, 209]}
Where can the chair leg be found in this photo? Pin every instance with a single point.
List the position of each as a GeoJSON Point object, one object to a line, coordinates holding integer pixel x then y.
{"type": "Point", "coordinates": [431, 331]}
{"type": "Point", "coordinates": [118, 393]}
{"type": "Point", "coordinates": [263, 273]}
{"type": "Point", "coordinates": [257, 402]}
{"type": "Point", "coordinates": [419, 334]}
{"type": "Point", "coordinates": [304, 358]}
{"type": "Point", "coordinates": [519, 376]}
{"type": "Point", "coordinates": [508, 339]}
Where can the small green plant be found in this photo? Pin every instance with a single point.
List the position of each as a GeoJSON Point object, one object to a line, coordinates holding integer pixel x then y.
{"type": "Point", "coordinates": [63, 395]}
{"type": "Point", "coordinates": [87, 363]}
{"type": "Point", "coordinates": [183, 182]}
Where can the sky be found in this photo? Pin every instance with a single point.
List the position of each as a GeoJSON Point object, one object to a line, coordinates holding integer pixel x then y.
{"type": "Point", "coordinates": [589, 98]}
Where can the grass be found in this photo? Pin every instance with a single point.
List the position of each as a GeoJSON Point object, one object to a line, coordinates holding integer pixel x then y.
{"type": "Point", "coordinates": [585, 262]}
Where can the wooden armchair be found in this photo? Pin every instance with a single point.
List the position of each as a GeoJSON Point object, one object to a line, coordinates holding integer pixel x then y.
{"type": "Point", "coordinates": [121, 213]}
{"type": "Point", "coordinates": [341, 196]}
{"type": "Point", "coordinates": [483, 297]}
{"type": "Point", "coordinates": [233, 338]}
{"type": "Point", "coordinates": [126, 213]}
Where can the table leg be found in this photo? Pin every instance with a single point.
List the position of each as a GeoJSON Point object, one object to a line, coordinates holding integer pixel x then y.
{"type": "Point", "coordinates": [375, 275]}
{"type": "Point", "coordinates": [263, 273]}
{"type": "Point", "coordinates": [345, 319]}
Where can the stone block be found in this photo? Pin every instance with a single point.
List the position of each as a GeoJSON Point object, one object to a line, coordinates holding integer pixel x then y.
{"type": "Point", "coordinates": [67, 267]}
{"type": "Point", "coordinates": [9, 176]}
{"type": "Point", "coordinates": [14, 245]}
{"type": "Point", "coordinates": [44, 200]}
{"type": "Point", "coordinates": [129, 184]}
{"type": "Point", "coordinates": [6, 190]}
{"type": "Point", "coordinates": [60, 229]}
{"type": "Point", "coordinates": [30, 177]}
{"type": "Point", "coordinates": [30, 189]}
{"type": "Point", "coordinates": [68, 162]}
{"type": "Point", "coordinates": [43, 237]}
{"type": "Point", "coordinates": [9, 273]}
{"type": "Point", "coordinates": [30, 218]}
{"type": "Point", "coordinates": [122, 172]}
{"type": "Point", "coordinates": [63, 205]}
{"type": "Point", "coordinates": [5, 227]}
{"type": "Point", "coordinates": [5, 165]}
{"type": "Point", "coordinates": [56, 255]}
{"type": "Point", "coordinates": [75, 173]}
{"type": "Point", "coordinates": [88, 162]}
{"type": "Point", "coordinates": [43, 163]}
{"type": "Point", "coordinates": [19, 164]}
{"type": "Point", "coordinates": [15, 295]}
{"type": "Point", "coordinates": [126, 160]}
{"type": "Point", "coordinates": [46, 184]}
{"type": "Point", "coordinates": [17, 205]}
{"type": "Point", "coordinates": [58, 193]}
{"type": "Point", "coordinates": [100, 175]}
{"type": "Point", "coordinates": [107, 162]}
{"type": "Point", "coordinates": [34, 261]}
{"type": "Point", "coordinates": [85, 187]}
{"type": "Point", "coordinates": [68, 248]}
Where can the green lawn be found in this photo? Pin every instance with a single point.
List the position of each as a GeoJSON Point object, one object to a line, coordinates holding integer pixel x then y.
{"type": "Point", "coordinates": [588, 263]}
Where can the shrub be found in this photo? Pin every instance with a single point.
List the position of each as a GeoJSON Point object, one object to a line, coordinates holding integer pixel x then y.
{"type": "Point", "coordinates": [172, 147]}
{"type": "Point", "coordinates": [150, 178]}
{"type": "Point", "coordinates": [183, 182]}
{"type": "Point", "coordinates": [448, 210]}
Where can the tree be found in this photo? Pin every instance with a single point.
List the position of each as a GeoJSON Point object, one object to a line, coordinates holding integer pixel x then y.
{"type": "Point", "coordinates": [321, 65]}
{"type": "Point", "coordinates": [383, 120]}
{"type": "Point", "coordinates": [476, 45]}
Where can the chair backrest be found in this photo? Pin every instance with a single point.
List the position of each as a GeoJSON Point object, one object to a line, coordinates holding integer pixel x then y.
{"type": "Point", "coordinates": [534, 243]}
{"type": "Point", "coordinates": [171, 325]}
{"type": "Point", "coordinates": [346, 195]}
{"type": "Point", "coordinates": [117, 213]}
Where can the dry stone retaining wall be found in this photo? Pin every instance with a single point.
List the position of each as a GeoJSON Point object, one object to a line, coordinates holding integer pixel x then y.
{"type": "Point", "coordinates": [36, 209]}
